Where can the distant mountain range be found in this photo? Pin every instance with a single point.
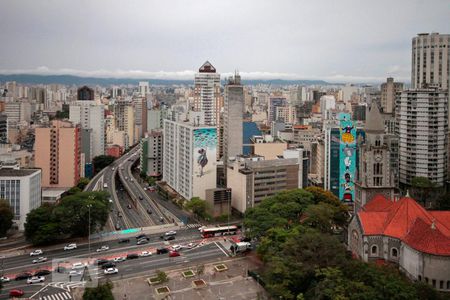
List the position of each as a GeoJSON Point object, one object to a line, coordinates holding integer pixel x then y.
{"type": "Point", "coordinates": [77, 80]}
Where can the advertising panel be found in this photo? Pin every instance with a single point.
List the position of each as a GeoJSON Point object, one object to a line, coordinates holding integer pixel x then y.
{"type": "Point", "coordinates": [347, 165]}
{"type": "Point", "coordinates": [204, 164]}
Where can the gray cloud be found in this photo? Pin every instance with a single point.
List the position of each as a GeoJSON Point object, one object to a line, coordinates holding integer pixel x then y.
{"type": "Point", "coordinates": [346, 40]}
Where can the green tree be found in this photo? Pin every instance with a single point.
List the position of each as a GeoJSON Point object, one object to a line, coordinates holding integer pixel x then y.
{"type": "Point", "coordinates": [321, 195]}
{"type": "Point", "coordinates": [102, 161]}
{"type": "Point", "coordinates": [36, 219]}
{"type": "Point", "coordinates": [73, 190]}
{"type": "Point", "coordinates": [82, 183]}
{"type": "Point", "coordinates": [420, 188]}
{"type": "Point", "coordinates": [6, 217]}
{"type": "Point", "coordinates": [101, 292]}
{"type": "Point", "coordinates": [326, 217]}
{"type": "Point", "coordinates": [198, 207]}
{"type": "Point", "coordinates": [443, 202]}
{"type": "Point", "coordinates": [162, 276]}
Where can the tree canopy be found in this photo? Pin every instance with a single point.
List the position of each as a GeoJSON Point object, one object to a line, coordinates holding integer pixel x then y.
{"type": "Point", "coordinates": [69, 218]}
{"type": "Point", "coordinates": [101, 292]}
{"type": "Point", "coordinates": [303, 257]}
{"type": "Point", "coordinates": [198, 207]}
{"type": "Point", "coordinates": [102, 161]}
{"type": "Point", "coordinates": [6, 217]}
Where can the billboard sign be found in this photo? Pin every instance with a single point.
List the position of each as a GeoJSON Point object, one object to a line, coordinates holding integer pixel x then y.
{"type": "Point", "coordinates": [204, 164]}
{"type": "Point", "coordinates": [347, 164]}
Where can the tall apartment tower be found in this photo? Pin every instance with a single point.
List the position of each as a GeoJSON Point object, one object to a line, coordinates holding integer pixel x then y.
{"type": "Point", "coordinates": [57, 153]}
{"type": "Point", "coordinates": [375, 175]}
{"type": "Point", "coordinates": [91, 117]}
{"type": "Point", "coordinates": [124, 117]}
{"type": "Point", "coordinates": [207, 93]}
{"type": "Point", "coordinates": [233, 118]}
{"type": "Point", "coordinates": [422, 116]}
{"type": "Point", "coordinates": [389, 90]}
{"type": "Point", "coordinates": [140, 113]}
{"type": "Point", "coordinates": [85, 93]}
{"type": "Point", "coordinates": [144, 88]}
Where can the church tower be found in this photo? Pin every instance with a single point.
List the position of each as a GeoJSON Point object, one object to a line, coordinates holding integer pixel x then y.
{"type": "Point", "coordinates": [375, 175]}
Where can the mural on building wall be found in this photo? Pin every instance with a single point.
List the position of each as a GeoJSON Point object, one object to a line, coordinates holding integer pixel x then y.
{"type": "Point", "coordinates": [204, 156]}
{"type": "Point", "coordinates": [347, 165]}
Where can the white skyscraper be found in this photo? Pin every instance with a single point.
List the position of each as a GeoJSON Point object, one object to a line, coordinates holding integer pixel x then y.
{"type": "Point", "coordinates": [144, 88]}
{"type": "Point", "coordinates": [207, 93]}
{"type": "Point", "coordinates": [90, 116]}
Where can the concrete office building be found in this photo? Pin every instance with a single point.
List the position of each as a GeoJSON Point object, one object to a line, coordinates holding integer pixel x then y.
{"type": "Point", "coordinates": [57, 153]}
{"type": "Point", "coordinates": [152, 154]}
{"type": "Point", "coordinates": [233, 119]}
{"type": "Point", "coordinates": [207, 96]}
{"type": "Point", "coordinates": [189, 158]}
{"type": "Point", "coordinates": [125, 118]}
{"type": "Point", "coordinates": [252, 178]}
{"type": "Point", "coordinates": [140, 113]}
{"type": "Point", "coordinates": [18, 112]}
{"type": "Point", "coordinates": [275, 102]}
{"type": "Point", "coordinates": [22, 189]}
{"type": "Point", "coordinates": [154, 119]}
{"type": "Point", "coordinates": [144, 88]}
{"type": "Point", "coordinates": [90, 116]}
{"type": "Point", "coordinates": [422, 116]}
{"type": "Point", "coordinates": [327, 102]}
{"type": "Point", "coordinates": [389, 90]}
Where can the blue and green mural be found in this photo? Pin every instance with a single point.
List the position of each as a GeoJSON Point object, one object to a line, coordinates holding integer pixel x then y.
{"type": "Point", "coordinates": [347, 164]}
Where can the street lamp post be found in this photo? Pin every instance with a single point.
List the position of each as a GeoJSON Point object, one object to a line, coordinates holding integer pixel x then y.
{"type": "Point", "coordinates": [89, 228]}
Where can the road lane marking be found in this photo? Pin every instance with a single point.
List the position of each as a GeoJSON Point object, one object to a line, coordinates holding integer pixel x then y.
{"type": "Point", "coordinates": [226, 254]}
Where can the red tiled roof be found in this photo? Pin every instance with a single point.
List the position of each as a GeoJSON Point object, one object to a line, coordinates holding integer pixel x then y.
{"type": "Point", "coordinates": [397, 219]}
{"type": "Point", "coordinates": [423, 237]}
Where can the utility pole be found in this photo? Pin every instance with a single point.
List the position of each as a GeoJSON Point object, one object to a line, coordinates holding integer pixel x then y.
{"type": "Point", "coordinates": [89, 226]}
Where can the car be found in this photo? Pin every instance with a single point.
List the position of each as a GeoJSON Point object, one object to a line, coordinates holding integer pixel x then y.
{"type": "Point", "coordinates": [142, 242]}
{"type": "Point", "coordinates": [42, 272]}
{"type": "Point", "coordinates": [245, 239]}
{"type": "Point", "coordinates": [141, 236]}
{"type": "Point", "coordinates": [78, 265]}
{"type": "Point", "coordinates": [162, 250]}
{"type": "Point", "coordinates": [70, 247]}
{"type": "Point", "coordinates": [119, 259]}
{"type": "Point", "coordinates": [23, 276]}
{"type": "Point", "coordinates": [16, 293]}
{"type": "Point", "coordinates": [161, 219]}
{"type": "Point", "coordinates": [39, 260]}
{"type": "Point", "coordinates": [126, 177]}
{"type": "Point", "coordinates": [101, 261]}
{"type": "Point", "coordinates": [145, 254]}
{"type": "Point", "coordinates": [112, 168]}
{"type": "Point", "coordinates": [119, 214]}
{"type": "Point", "coordinates": [103, 248]}
{"type": "Point", "coordinates": [61, 269]}
{"type": "Point", "coordinates": [4, 279]}
{"type": "Point", "coordinates": [117, 226]}
{"type": "Point", "coordinates": [149, 211]}
{"type": "Point", "coordinates": [110, 271]}
{"type": "Point", "coordinates": [174, 254]}
{"type": "Point", "coordinates": [132, 256]}
{"type": "Point", "coordinates": [109, 265]}
{"type": "Point", "coordinates": [169, 238]}
{"type": "Point", "coordinates": [74, 273]}
{"type": "Point", "coordinates": [35, 279]}
{"type": "Point", "coordinates": [129, 206]}
{"type": "Point", "coordinates": [141, 198]}
{"type": "Point", "coordinates": [122, 241]}
{"type": "Point", "coordinates": [176, 247]}
{"type": "Point", "coordinates": [145, 188]}
{"type": "Point", "coordinates": [36, 252]}
{"type": "Point", "coordinates": [151, 189]}
{"type": "Point", "coordinates": [172, 232]}
{"type": "Point", "coordinates": [131, 179]}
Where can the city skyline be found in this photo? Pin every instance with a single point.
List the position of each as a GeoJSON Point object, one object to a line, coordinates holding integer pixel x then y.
{"type": "Point", "coordinates": [346, 41]}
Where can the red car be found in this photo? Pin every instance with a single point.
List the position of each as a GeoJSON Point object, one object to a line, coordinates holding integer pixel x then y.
{"type": "Point", "coordinates": [174, 254]}
{"type": "Point", "coordinates": [16, 293]}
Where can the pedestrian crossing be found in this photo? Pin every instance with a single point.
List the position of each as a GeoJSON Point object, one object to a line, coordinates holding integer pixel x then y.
{"type": "Point", "coordinates": [196, 225]}
{"type": "Point", "coordinates": [58, 296]}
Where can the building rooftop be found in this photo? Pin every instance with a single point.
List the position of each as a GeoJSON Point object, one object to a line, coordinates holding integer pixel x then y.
{"type": "Point", "coordinates": [6, 172]}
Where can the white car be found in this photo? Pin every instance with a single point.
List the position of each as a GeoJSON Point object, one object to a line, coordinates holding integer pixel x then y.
{"type": "Point", "coordinates": [4, 279]}
{"type": "Point", "coordinates": [145, 253]}
{"type": "Point", "coordinates": [112, 168]}
{"type": "Point", "coordinates": [189, 246]}
{"type": "Point", "coordinates": [131, 179]}
{"type": "Point", "coordinates": [77, 266]}
{"type": "Point", "coordinates": [70, 247]}
{"type": "Point", "coordinates": [119, 259]}
{"type": "Point", "coordinates": [39, 260]}
{"type": "Point", "coordinates": [176, 247]}
{"type": "Point", "coordinates": [103, 248]}
{"type": "Point", "coordinates": [36, 252]}
{"type": "Point", "coordinates": [35, 279]}
{"type": "Point", "coordinates": [74, 273]}
{"type": "Point", "coordinates": [110, 271]}
{"type": "Point", "coordinates": [172, 232]}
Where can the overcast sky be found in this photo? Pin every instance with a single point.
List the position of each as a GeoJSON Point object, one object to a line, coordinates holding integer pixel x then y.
{"type": "Point", "coordinates": [345, 40]}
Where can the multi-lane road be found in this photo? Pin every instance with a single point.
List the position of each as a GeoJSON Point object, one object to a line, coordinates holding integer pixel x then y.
{"type": "Point", "coordinates": [128, 268]}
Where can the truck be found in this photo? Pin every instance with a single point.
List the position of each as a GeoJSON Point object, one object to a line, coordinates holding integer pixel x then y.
{"type": "Point", "coordinates": [240, 247]}
{"type": "Point", "coordinates": [105, 185]}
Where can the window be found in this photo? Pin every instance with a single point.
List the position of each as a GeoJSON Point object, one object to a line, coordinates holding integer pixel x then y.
{"type": "Point", "coordinates": [434, 283]}
{"type": "Point", "coordinates": [420, 278]}
{"type": "Point", "coordinates": [374, 250]}
{"type": "Point", "coordinates": [394, 252]}
{"type": "Point", "coordinates": [426, 279]}
{"type": "Point", "coordinates": [448, 285]}
{"type": "Point", "coordinates": [441, 284]}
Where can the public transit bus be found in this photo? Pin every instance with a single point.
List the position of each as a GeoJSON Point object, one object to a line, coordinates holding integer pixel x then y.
{"type": "Point", "coordinates": [218, 231]}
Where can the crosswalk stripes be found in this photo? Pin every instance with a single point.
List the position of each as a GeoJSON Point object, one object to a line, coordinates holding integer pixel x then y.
{"type": "Point", "coordinates": [193, 225]}
{"type": "Point", "coordinates": [58, 296]}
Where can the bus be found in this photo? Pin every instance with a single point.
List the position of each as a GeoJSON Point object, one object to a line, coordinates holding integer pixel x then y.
{"type": "Point", "coordinates": [218, 231]}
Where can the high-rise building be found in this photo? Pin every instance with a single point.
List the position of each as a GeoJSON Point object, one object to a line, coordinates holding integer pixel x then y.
{"type": "Point", "coordinates": [233, 118]}
{"type": "Point", "coordinates": [57, 153]}
{"type": "Point", "coordinates": [152, 154]}
{"type": "Point", "coordinates": [422, 116]}
{"type": "Point", "coordinates": [124, 117]}
{"type": "Point", "coordinates": [18, 112]}
{"type": "Point", "coordinates": [22, 189]}
{"type": "Point", "coordinates": [144, 88]}
{"type": "Point", "coordinates": [90, 116]}
{"type": "Point", "coordinates": [207, 96]}
{"type": "Point", "coordinates": [189, 162]}
{"type": "Point", "coordinates": [389, 90]}
{"type": "Point", "coordinates": [140, 113]}
{"type": "Point", "coordinates": [375, 175]}
{"type": "Point", "coordinates": [3, 129]}
{"type": "Point", "coordinates": [275, 102]}
{"type": "Point", "coordinates": [85, 93]}
{"type": "Point", "coordinates": [430, 60]}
